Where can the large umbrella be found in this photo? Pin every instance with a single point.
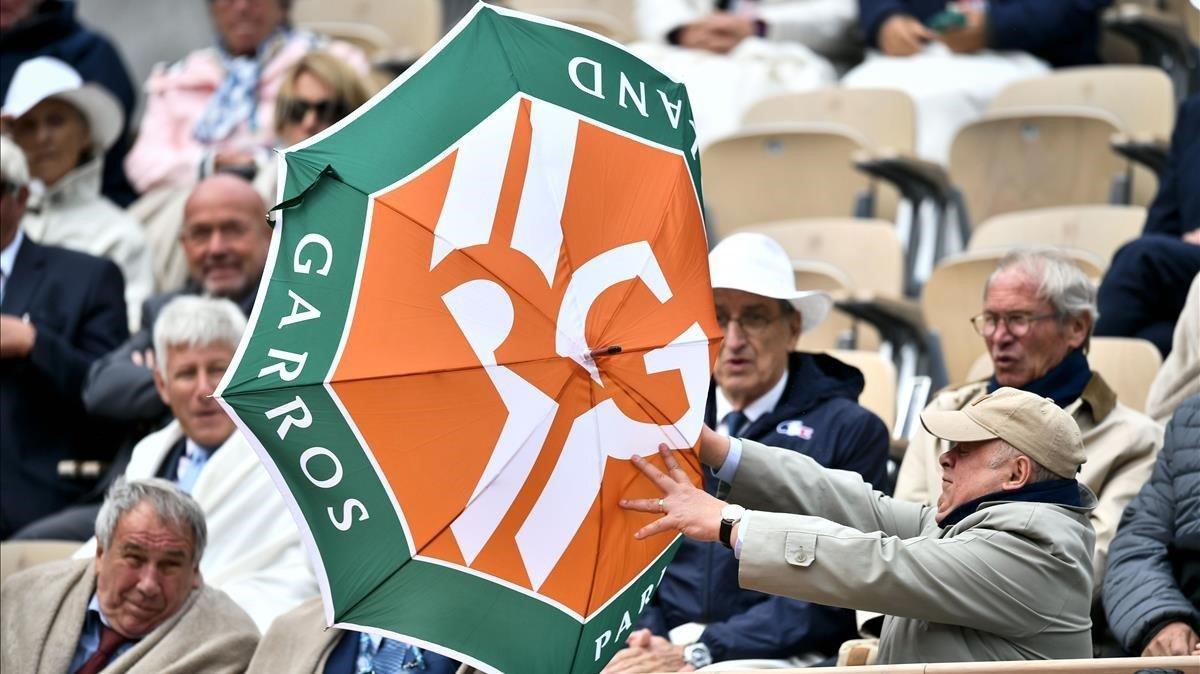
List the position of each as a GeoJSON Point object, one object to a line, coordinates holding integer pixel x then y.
{"type": "Point", "coordinates": [486, 290]}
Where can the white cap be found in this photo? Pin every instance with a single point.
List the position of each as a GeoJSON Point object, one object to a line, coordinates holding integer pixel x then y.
{"type": "Point", "coordinates": [47, 77]}
{"type": "Point", "coordinates": [757, 264]}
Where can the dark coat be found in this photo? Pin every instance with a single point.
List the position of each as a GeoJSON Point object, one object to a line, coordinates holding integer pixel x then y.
{"type": "Point", "coordinates": [1176, 207]}
{"type": "Point", "coordinates": [1153, 575]}
{"type": "Point", "coordinates": [52, 30]}
{"type": "Point", "coordinates": [1062, 32]}
{"type": "Point", "coordinates": [77, 304]}
{"type": "Point", "coordinates": [701, 583]}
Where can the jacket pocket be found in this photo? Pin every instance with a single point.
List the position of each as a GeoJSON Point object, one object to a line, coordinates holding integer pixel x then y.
{"type": "Point", "coordinates": [799, 548]}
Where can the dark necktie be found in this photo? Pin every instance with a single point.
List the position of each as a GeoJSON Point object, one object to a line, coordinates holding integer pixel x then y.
{"type": "Point", "coordinates": [735, 422]}
{"type": "Point", "coordinates": [110, 641]}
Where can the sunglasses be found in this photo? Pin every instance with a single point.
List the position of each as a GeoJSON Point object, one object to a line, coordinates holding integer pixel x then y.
{"type": "Point", "coordinates": [327, 111]}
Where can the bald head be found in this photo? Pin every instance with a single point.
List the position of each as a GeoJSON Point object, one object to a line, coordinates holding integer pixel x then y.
{"type": "Point", "coordinates": [225, 236]}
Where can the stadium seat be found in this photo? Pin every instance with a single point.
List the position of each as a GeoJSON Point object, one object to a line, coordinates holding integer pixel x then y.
{"type": "Point", "coordinates": [1139, 97]}
{"type": "Point", "coordinates": [781, 172]}
{"type": "Point", "coordinates": [1099, 230]}
{"type": "Point", "coordinates": [610, 18]}
{"type": "Point", "coordinates": [1034, 158]}
{"type": "Point", "coordinates": [879, 375]}
{"type": "Point", "coordinates": [1162, 33]}
{"type": "Point", "coordinates": [954, 293]}
{"type": "Point", "coordinates": [1128, 365]}
{"type": "Point", "coordinates": [413, 25]}
{"type": "Point", "coordinates": [19, 555]}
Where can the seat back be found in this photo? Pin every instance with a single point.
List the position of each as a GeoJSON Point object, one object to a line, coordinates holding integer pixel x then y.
{"type": "Point", "coordinates": [818, 275]}
{"type": "Point", "coordinates": [611, 18]}
{"type": "Point", "coordinates": [879, 375]}
{"type": "Point", "coordinates": [867, 251]}
{"type": "Point", "coordinates": [954, 293]}
{"type": "Point", "coordinates": [785, 172]}
{"type": "Point", "coordinates": [1099, 230]}
{"type": "Point", "coordinates": [1019, 160]}
{"type": "Point", "coordinates": [413, 25]}
{"type": "Point", "coordinates": [1127, 364]}
{"type": "Point", "coordinates": [1140, 97]}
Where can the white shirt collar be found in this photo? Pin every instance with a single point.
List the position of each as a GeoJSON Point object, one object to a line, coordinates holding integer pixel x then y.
{"type": "Point", "coordinates": [758, 407]}
{"type": "Point", "coordinates": [8, 258]}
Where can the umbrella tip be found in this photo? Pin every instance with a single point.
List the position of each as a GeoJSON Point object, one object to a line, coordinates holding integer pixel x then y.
{"type": "Point", "coordinates": [606, 351]}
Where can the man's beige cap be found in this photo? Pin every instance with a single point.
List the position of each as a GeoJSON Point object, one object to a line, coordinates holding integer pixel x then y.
{"type": "Point", "coordinates": [1028, 422]}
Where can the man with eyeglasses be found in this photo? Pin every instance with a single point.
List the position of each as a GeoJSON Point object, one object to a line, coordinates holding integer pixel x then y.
{"type": "Point", "coordinates": [767, 392]}
{"type": "Point", "coordinates": [225, 240]}
{"type": "Point", "coordinates": [1038, 312]}
{"type": "Point", "coordinates": [59, 311]}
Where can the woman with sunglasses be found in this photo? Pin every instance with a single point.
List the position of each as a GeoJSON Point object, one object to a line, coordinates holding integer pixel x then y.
{"type": "Point", "coordinates": [317, 92]}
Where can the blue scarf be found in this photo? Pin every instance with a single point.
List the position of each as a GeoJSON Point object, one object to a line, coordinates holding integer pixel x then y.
{"type": "Point", "coordinates": [236, 98]}
{"type": "Point", "coordinates": [1062, 492]}
{"type": "Point", "coordinates": [1064, 383]}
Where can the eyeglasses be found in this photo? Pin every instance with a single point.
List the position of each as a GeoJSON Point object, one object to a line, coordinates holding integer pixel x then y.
{"type": "Point", "coordinates": [1018, 324]}
{"type": "Point", "coordinates": [328, 110]}
{"type": "Point", "coordinates": [753, 323]}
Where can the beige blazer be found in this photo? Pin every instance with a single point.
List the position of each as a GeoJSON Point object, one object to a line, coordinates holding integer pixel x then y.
{"type": "Point", "coordinates": [41, 617]}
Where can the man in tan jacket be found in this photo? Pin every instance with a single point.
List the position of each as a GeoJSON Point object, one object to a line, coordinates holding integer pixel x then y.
{"type": "Point", "coordinates": [139, 605]}
{"type": "Point", "coordinates": [1037, 318]}
{"type": "Point", "coordinates": [1000, 569]}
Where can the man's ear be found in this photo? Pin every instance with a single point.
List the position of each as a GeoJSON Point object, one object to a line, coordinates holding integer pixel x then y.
{"type": "Point", "coordinates": [796, 325]}
{"type": "Point", "coordinates": [1077, 330]}
{"type": "Point", "coordinates": [1020, 473]}
{"type": "Point", "coordinates": [161, 385]}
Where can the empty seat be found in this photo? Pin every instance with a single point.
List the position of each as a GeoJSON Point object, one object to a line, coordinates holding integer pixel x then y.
{"type": "Point", "coordinates": [413, 25]}
{"type": "Point", "coordinates": [1099, 230]}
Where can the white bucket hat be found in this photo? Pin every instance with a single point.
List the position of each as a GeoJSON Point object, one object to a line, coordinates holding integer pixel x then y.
{"type": "Point", "coordinates": [757, 264]}
{"type": "Point", "coordinates": [46, 77]}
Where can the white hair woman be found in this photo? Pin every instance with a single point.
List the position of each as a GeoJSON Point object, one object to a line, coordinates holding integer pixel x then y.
{"type": "Point", "coordinates": [65, 126]}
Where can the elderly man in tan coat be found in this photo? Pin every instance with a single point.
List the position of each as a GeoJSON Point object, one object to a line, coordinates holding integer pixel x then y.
{"type": "Point", "coordinates": [1037, 318]}
{"type": "Point", "coordinates": [1000, 569]}
{"type": "Point", "coordinates": [140, 605]}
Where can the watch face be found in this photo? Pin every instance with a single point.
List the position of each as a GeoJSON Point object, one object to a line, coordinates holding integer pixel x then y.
{"type": "Point", "coordinates": [697, 655]}
{"type": "Point", "coordinates": [732, 512]}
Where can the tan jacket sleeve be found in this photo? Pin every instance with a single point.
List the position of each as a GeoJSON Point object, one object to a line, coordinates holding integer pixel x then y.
{"type": "Point", "coordinates": [777, 480]}
{"type": "Point", "coordinates": [978, 579]}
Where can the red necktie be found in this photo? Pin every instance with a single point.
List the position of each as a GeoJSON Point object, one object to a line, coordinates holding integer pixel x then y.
{"type": "Point", "coordinates": [110, 641]}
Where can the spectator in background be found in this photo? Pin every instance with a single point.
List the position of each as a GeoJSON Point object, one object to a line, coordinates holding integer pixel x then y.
{"type": "Point", "coordinates": [731, 53]}
{"type": "Point", "coordinates": [767, 392]}
{"type": "Point", "coordinates": [59, 311]}
{"type": "Point", "coordinates": [1144, 288]}
{"type": "Point", "coordinates": [137, 601]}
{"type": "Point", "coordinates": [254, 553]}
{"type": "Point", "coordinates": [1179, 376]}
{"type": "Point", "coordinates": [952, 58]}
{"type": "Point", "coordinates": [225, 241]}
{"type": "Point", "coordinates": [299, 643]}
{"type": "Point", "coordinates": [1152, 589]}
{"type": "Point", "coordinates": [1038, 312]}
{"type": "Point", "coordinates": [31, 28]}
{"type": "Point", "coordinates": [65, 126]}
{"type": "Point", "coordinates": [214, 109]}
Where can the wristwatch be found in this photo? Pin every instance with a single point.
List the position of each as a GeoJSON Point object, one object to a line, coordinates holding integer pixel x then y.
{"type": "Point", "coordinates": [697, 655]}
{"type": "Point", "coordinates": [730, 515]}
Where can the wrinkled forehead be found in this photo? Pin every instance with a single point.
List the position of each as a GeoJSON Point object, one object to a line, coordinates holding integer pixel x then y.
{"type": "Point", "coordinates": [142, 530]}
{"type": "Point", "coordinates": [732, 301]}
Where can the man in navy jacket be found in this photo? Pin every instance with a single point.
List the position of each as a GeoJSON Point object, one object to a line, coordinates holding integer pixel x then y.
{"type": "Point", "coordinates": [59, 311]}
{"type": "Point", "coordinates": [763, 391]}
{"type": "Point", "coordinates": [1147, 283]}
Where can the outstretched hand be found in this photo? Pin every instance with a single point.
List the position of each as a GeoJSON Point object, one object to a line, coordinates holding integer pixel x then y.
{"type": "Point", "coordinates": [693, 512]}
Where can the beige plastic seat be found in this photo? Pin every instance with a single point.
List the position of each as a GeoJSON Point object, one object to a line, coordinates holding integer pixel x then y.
{"type": "Point", "coordinates": [611, 18]}
{"type": "Point", "coordinates": [371, 40]}
{"type": "Point", "coordinates": [20, 555]}
{"type": "Point", "coordinates": [954, 293]}
{"type": "Point", "coordinates": [780, 173]}
{"type": "Point", "coordinates": [1141, 98]}
{"type": "Point", "coordinates": [1035, 158]}
{"type": "Point", "coordinates": [1127, 364]}
{"type": "Point", "coordinates": [884, 118]}
{"type": "Point", "coordinates": [818, 275]}
{"type": "Point", "coordinates": [879, 388]}
{"type": "Point", "coordinates": [1099, 230]}
{"type": "Point", "coordinates": [413, 25]}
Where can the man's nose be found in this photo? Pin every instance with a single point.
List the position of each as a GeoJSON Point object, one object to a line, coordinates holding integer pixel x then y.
{"type": "Point", "coordinates": [206, 384]}
{"type": "Point", "coordinates": [148, 581]}
{"type": "Point", "coordinates": [735, 336]}
{"type": "Point", "coordinates": [946, 459]}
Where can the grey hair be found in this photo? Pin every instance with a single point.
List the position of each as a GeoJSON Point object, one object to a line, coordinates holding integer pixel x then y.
{"type": "Point", "coordinates": [170, 503]}
{"type": "Point", "coordinates": [189, 320]}
{"type": "Point", "coordinates": [13, 165]}
{"type": "Point", "coordinates": [1059, 280]}
{"type": "Point", "coordinates": [1005, 452]}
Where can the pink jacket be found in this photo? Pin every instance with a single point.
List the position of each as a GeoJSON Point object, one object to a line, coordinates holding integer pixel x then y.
{"type": "Point", "coordinates": [165, 152]}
